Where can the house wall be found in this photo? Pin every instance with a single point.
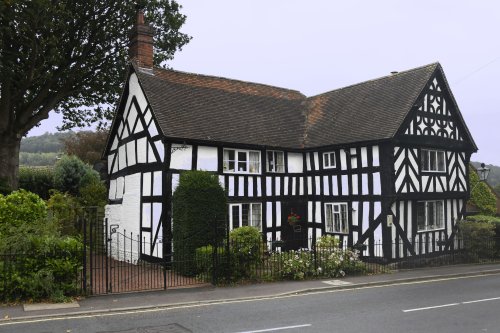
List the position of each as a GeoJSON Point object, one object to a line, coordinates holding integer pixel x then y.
{"type": "Point", "coordinates": [432, 124]}
{"type": "Point", "coordinates": [135, 164]}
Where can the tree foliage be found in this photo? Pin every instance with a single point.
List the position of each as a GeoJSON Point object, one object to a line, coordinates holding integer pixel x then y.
{"type": "Point", "coordinates": [45, 143]}
{"type": "Point", "coordinates": [481, 195]}
{"type": "Point", "coordinates": [69, 56]}
{"type": "Point", "coordinates": [86, 145]}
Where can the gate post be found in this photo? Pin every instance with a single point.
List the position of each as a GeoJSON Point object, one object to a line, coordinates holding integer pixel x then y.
{"type": "Point", "coordinates": [215, 267]}
{"type": "Point", "coordinates": [106, 240]}
{"type": "Point", "coordinates": [84, 255]}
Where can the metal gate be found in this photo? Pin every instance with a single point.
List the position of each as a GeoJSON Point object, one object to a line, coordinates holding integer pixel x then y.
{"type": "Point", "coordinates": [113, 261]}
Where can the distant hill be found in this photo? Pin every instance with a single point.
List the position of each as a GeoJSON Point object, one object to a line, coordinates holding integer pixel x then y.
{"type": "Point", "coordinates": [42, 150]}
{"type": "Point", "coordinates": [45, 143]}
{"type": "Point", "coordinates": [494, 176]}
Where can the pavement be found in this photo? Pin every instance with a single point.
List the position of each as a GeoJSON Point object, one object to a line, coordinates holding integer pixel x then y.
{"type": "Point", "coordinates": [211, 295]}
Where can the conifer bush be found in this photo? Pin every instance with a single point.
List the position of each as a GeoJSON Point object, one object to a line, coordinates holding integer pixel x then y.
{"type": "Point", "coordinates": [199, 217]}
{"type": "Point", "coordinates": [71, 173]}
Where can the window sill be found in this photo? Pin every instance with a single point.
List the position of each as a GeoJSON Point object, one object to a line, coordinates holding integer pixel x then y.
{"type": "Point", "coordinates": [429, 230]}
{"type": "Point", "coordinates": [240, 173]}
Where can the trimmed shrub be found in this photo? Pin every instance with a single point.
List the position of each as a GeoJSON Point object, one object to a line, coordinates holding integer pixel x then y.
{"type": "Point", "coordinates": [64, 209]}
{"type": "Point", "coordinates": [205, 264]}
{"type": "Point", "coordinates": [36, 263]}
{"type": "Point", "coordinates": [70, 174]}
{"type": "Point", "coordinates": [38, 180]}
{"type": "Point", "coordinates": [478, 238]}
{"type": "Point", "coordinates": [247, 250]}
{"type": "Point", "coordinates": [20, 207]}
{"type": "Point", "coordinates": [48, 269]}
{"type": "Point", "coordinates": [94, 193]}
{"type": "Point", "coordinates": [199, 214]}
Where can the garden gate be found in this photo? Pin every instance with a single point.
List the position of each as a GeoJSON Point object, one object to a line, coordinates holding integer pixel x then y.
{"type": "Point", "coordinates": [113, 261]}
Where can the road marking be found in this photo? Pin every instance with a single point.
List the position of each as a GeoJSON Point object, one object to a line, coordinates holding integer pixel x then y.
{"type": "Point", "coordinates": [452, 304]}
{"type": "Point", "coordinates": [432, 307]}
{"type": "Point", "coordinates": [482, 300]}
{"type": "Point", "coordinates": [278, 328]}
{"type": "Point", "coordinates": [20, 321]}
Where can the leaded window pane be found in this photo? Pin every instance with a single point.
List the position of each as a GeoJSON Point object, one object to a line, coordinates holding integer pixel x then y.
{"type": "Point", "coordinates": [421, 215]}
{"type": "Point", "coordinates": [440, 161]}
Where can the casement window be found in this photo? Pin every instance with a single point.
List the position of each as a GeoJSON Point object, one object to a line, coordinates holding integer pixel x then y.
{"type": "Point", "coordinates": [245, 214]}
{"type": "Point", "coordinates": [336, 219]}
{"type": "Point", "coordinates": [430, 215]}
{"type": "Point", "coordinates": [241, 161]}
{"type": "Point", "coordinates": [275, 161]}
{"type": "Point", "coordinates": [433, 160]}
{"type": "Point", "coordinates": [329, 160]}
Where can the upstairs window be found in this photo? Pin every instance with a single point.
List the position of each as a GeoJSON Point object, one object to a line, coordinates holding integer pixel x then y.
{"type": "Point", "coordinates": [275, 161]}
{"type": "Point", "coordinates": [329, 160]}
{"type": "Point", "coordinates": [241, 161]}
{"type": "Point", "coordinates": [433, 160]}
{"type": "Point", "coordinates": [245, 214]}
{"type": "Point", "coordinates": [430, 215]}
{"type": "Point", "coordinates": [336, 218]}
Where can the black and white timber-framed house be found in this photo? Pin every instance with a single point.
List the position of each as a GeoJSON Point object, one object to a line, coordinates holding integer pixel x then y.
{"type": "Point", "coordinates": [380, 161]}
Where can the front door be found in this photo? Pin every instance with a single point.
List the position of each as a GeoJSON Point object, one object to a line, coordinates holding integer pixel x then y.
{"type": "Point", "coordinates": [294, 236]}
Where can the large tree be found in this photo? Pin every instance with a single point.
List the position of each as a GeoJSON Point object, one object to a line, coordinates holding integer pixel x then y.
{"type": "Point", "coordinates": [69, 56]}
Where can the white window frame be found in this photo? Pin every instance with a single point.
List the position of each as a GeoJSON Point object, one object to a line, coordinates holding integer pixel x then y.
{"type": "Point", "coordinates": [327, 156]}
{"type": "Point", "coordinates": [431, 223]}
{"type": "Point", "coordinates": [271, 162]}
{"type": "Point", "coordinates": [251, 222]}
{"type": "Point", "coordinates": [237, 152]}
{"type": "Point", "coordinates": [426, 165]}
{"type": "Point", "coordinates": [333, 211]}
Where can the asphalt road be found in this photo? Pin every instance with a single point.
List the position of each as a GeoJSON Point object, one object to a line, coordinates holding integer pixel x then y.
{"type": "Point", "coordinates": [470, 304]}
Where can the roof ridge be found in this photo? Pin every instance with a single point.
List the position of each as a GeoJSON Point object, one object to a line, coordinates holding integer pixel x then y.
{"type": "Point", "coordinates": [435, 64]}
{"type": "Point", "coordinates": [203, 81]}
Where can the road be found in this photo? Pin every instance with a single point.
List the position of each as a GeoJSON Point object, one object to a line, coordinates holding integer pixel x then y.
{"type": "Point", "coordinates": [467, 304]}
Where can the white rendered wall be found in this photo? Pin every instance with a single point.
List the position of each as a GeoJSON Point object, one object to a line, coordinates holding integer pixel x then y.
{"type": "Point", "coordinates": [207, 158]}
{"type": "Point", "coordinates": [182, 159]}
{"type": "Point", "coordinates": [295, 163]}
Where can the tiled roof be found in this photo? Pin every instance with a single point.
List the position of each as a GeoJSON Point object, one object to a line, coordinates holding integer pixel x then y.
{"type": "Point", "coordinates": [192, 106]}
{"type": "Point", "coordinates": [370, 110]}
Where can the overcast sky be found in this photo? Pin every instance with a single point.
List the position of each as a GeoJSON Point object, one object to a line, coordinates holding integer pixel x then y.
{"type": "Point", "coordinates": [315, 46]}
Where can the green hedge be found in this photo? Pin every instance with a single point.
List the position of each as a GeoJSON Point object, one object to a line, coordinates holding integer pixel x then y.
{"type": "Point", "coordinates": [39, 180]}
{"type": "Point", "coordinates": [50, 269]}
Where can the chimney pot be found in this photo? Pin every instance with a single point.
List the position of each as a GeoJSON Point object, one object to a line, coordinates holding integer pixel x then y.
{"type": "Point", "coordinates": [141, 42]}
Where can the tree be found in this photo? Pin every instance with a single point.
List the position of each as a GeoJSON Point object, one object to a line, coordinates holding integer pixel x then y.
{"type": "Point", "coordinates": [86, 145]}
{"type": "Point", "coordinates": [69, 56]}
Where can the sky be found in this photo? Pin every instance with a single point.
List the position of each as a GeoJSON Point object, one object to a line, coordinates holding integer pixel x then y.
{"type": "Point", "coordinates": [320, 45]}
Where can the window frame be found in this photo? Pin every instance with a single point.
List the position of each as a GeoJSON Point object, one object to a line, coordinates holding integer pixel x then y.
{"type": "Point", "coordinates": [425, 163]}
{"type": "Point", "coordinates": [427, 225]}
{"type": "Point", "coordinates": [251, 206]}
{"type": "Point", "coordinates": [343, 224]}
{"type": "Point", "coordinates": [329, 165]}
{"type": "Point", "coordinates": [274, 154]}
{"type": "Point", "coordinates": [236, 161]}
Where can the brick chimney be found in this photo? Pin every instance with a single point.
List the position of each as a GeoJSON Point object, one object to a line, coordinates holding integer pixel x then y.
{"type": "Point", "coordinates": [141, 42]}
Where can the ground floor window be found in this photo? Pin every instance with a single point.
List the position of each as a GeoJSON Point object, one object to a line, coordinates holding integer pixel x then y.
{"type": "Point", "coordinates": [336, 218]}
{"type": "Point", "coordinates": [245, 214]}
{"type": "Point", "coordinates": [430, 215]}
